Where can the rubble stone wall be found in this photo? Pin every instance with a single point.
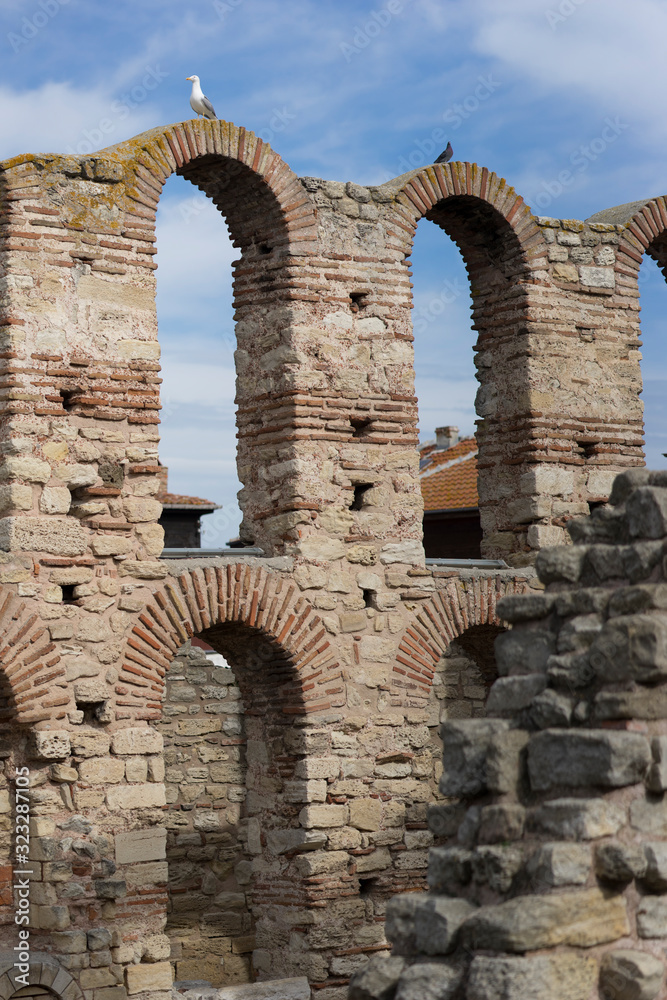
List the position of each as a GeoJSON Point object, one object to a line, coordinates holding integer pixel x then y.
{"type": "Point", "coordinates": [553, 880]}
{"type": "Point", "coordinates": [340, 637]}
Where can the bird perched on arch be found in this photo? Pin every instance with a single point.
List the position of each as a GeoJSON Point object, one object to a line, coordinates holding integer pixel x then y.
{"type": "Point", "coordinates": [198, 102]}
{"type": "Point", "coordinates": [444, 157]}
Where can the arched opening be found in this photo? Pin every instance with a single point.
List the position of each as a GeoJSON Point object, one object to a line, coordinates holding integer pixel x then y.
{"type": "Point", "coordinates": [445, 384]}
{"type": "Point", "coordinates": [652, 274]}
{"type": "Point", "coordinates": [491, 227]}
{"type": "Point", "coordinates": [197, 341]}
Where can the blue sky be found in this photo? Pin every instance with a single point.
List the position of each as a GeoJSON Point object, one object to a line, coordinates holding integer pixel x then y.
{"type": "Point", "coordinates": [349, 90]}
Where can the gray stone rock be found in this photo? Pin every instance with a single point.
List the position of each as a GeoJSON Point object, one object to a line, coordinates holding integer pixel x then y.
{"type": "Point", "coordinates": [272, 989]}
{"type": "Point", "coordinates": [647, 512]}
{"type": "Point", "coordinates": [377, 980]}
{"type": "Point", "coordinates": [467, 832]}
{"type": "Point", "coordinates": [444, 820]}
{"type": "Point", "coordinates": [448, 867]}
{"type": "Point", "coordinates": [554, 865]}
{"type": "Point", "coordinates": [633, 647]}
{"type": "Point", "coordinates": [582, 601]}
{"type": "Point", "coordinates": [649, 816]}
{"type": "Point", "coordinates": [603, 562]}
{"type": "Point", "coordinates": [578, 633]}
{"type": "Point", "coordinates": [465, 746]}
{"type": "Point", "coordinates": [655, 876]}
{"type": "Point", "coordinates": [437, 923]}
{"type": "Point", "coordinates": [641, 703]}
{"type": "Point", "coordinates": [576, 819]}
{"type": "Point", "coordinates": [616, 862]}
{"type": "Point", "coordinates": [524, 650]}
{"type": "Point", "coordinates": [509, 695]}
{"type": "Point", "coordinates": [551, 709]}
{"type": "Point", "coordinates": [641, 597]}
{"type": "Point", "coordinates": [429, 981]}
{"type": "Point", "coordinates": [626, 482]}
{"type": "Point", "coordinates": [400, 921]}
{"type": "Point", "coordinates": [630, 975]}
{"type": "Point", "coordinates": [524, 607]}
{"type": "Point", "coordinates": [656, 780]}
{"type": "Point", "coordinates": [604, 758]}
{"type": "Point", "coordinates": [571, 670]}
{"type": "Point", "coordinates": [641, 558]}
{"type": "Point", "coordinates": [501, 822]}
{"type": "Point", "coordinates": [528, 923]}
{"type": "Point", "coordinates": [505, 761]}
{"type": "Point", "coordinates": [497, 866]}
{"type": "Point", "coordinates": [563, 564]}
{"type": "Point", "coordinates": [557, 977]}
{"type": "Point", "coordinates": [652, 917]}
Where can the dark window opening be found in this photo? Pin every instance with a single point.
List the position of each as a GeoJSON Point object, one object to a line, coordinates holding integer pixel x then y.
{"type": "Point", "coordinates": [264, 248]}
{"type": "Point", "coordinates": [68, 593]}
{"type": "Point", "coordinates": [360, 426]}
{"type": "Point", "coordinates": [366, 885]}
{"type": "Point", "coordinates": [594, 504]}
{"type": "Point", "coordinates": [359, 490]}
{"type": "Point", "coordinates": [69, 398]}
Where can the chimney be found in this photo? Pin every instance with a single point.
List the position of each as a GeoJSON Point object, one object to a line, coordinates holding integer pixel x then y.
{"type": "Point", "coordinates": [446, 437]}
{"type": "Point", "coordinates": [162, 475]}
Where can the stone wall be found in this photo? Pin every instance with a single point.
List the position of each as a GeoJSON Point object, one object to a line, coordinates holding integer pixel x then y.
{"type": "Point", "coordinates": [553, 880]}
{"type": "Point", "coordinates": [336, 636]}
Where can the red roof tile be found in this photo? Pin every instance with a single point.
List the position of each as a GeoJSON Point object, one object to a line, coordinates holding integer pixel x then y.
{"type": "Point", "coordinates": [449, 476]}
{"type": "Point", "coordinates": [184, 501]}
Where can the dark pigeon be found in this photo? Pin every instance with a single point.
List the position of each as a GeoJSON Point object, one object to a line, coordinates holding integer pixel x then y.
{"type": "Point", "coordinates": [446, 154]}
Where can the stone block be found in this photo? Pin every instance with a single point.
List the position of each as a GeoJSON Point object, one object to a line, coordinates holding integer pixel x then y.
{"type": "Point", "coordinates": [50, 744]}
{"type": "Point", "coordinates": [646, 510]}
{"type": "Point", "coordinates": [631, 647]}
{"type": "Point", "coordinates": [321, 862]}
{"type": "Point", "coordinates": [497, 866]}
{"type": "Point", "coordinates": [630, 975]}
{"type": "Point", "coordinates": [649, 816]}
{"type": "Point", "coordinates": [551, 709]}
{"type": "Point", "coordinates": [323, 816]}
{"type": "Point", "coordinates": [504, 761]}
{"type": "Point", "coordinates": [378, 979]}
{"type": "Point", "coordinates": [582, 919]}
{"type": "Point", "coordinates": [141, 845]}
{"type": "Point", "coordinates": [652, 917]}
{"type": "Point", "coordinates": [603, 758]}
{"type": "Point", "coordinates": [318, 767]}
{"type": "Point", "coordinates": [568, 977]}
{"type": "Point", "coordinates": [143, 740]}
{"type": "Point", "coordinates": [616, 862]}
{"type": "Point", "coordinates": [101, 770]}
{"type": "Point", "coordinates": [90, 979]}
{"type": "Point", "coordinates": [410, 552]}
{"type": "Point", "coordinates": [524, 650]}
{"type": "Point", "coordinates": [500, 823]}
{"type": "Point", "coordinates": [656, 780]}
{"type": "Point", "coordinates": [55, 500]}
{"type": "Point", "coordinates": [655, 875]}
{"type": "Point", "coordinates": [448, 867]}
{"type": "Point", "coordinates": [465, 748]}
{"type": "Point", "coordinates": [99, 938]}
{"type": "Point", "coordinates": [149, 873]}
{"type": "Point", "coordinates": [400, 921]}
{"type": "Point", "coordinates": [148, 976]}
{"type": "Point", "coordinates": [576, 819]}
{"type": "Point", "coordinates": [365, 814]}
{"type": "Point", "coordinates": [554, 865]}
{"type": "Point", "coordinates": [429, 981]}
{"type": "Point", "coordinates": [146, 796]}
{"type": "Point", "coordinates": [62, 536]}
{"type": "Point", "coordinates": [509, 695]}
{"type": "Point", "coordinates": [437, 923]}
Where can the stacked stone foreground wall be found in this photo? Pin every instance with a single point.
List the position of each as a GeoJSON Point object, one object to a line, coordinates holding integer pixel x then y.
{"type": "Point", "coordinates": [553, 883]}
{"type": "Point", "coordinates": [267, 841]}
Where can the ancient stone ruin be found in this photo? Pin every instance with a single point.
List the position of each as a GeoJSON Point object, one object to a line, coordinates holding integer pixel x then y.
{"type": "Point", "coordinates": [199, 819]}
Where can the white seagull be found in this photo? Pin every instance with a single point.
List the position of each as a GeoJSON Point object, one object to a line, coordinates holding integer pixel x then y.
{"type": "Point", "coordinates": [200, 104]}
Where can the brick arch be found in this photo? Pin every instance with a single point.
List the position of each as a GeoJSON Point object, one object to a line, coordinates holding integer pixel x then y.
{"type": "Point", "coordinates": [461, 196]}
{"type": "Point", "coordinates": [45, 971]}
{"type": "Point", "coordinates": [304, 671]}
{"type": "Point", "coordinates": [646, 232]}
{"type": "Point", "coordinates": [29, 664]}
{"type": "Point", "coordinates": [450, 612]}
{"type": "Point", "coordinates": [261, 198]}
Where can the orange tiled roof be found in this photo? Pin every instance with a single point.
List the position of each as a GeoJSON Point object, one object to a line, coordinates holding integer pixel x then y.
{"type": "Point", "coordinates": [449, 476]}
{"type": "Point", "coordinates": [184, 501]}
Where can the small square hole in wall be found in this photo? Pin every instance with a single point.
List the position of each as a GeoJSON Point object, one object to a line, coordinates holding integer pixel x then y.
{"type": "Point", "coordinates": [68, 593]}
{"type": "Point", "coordinates": [69, 398]}
{"type": "Point", "coordinates": [588, 446]}
{"type": "Point", "coordinates": [361, 426]}
{"type": "Point", "coordinates": [264, 249]}
{"type": "Point", "coordinates": [369, 598]}
{"type": "Point", "coordinates": [358, 300]}
{"type": "Point", "coordinates": [359, 490]}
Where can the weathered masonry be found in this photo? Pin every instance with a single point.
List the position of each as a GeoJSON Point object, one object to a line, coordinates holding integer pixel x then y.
{"type": "Point", "coordinates": [193, 819]}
